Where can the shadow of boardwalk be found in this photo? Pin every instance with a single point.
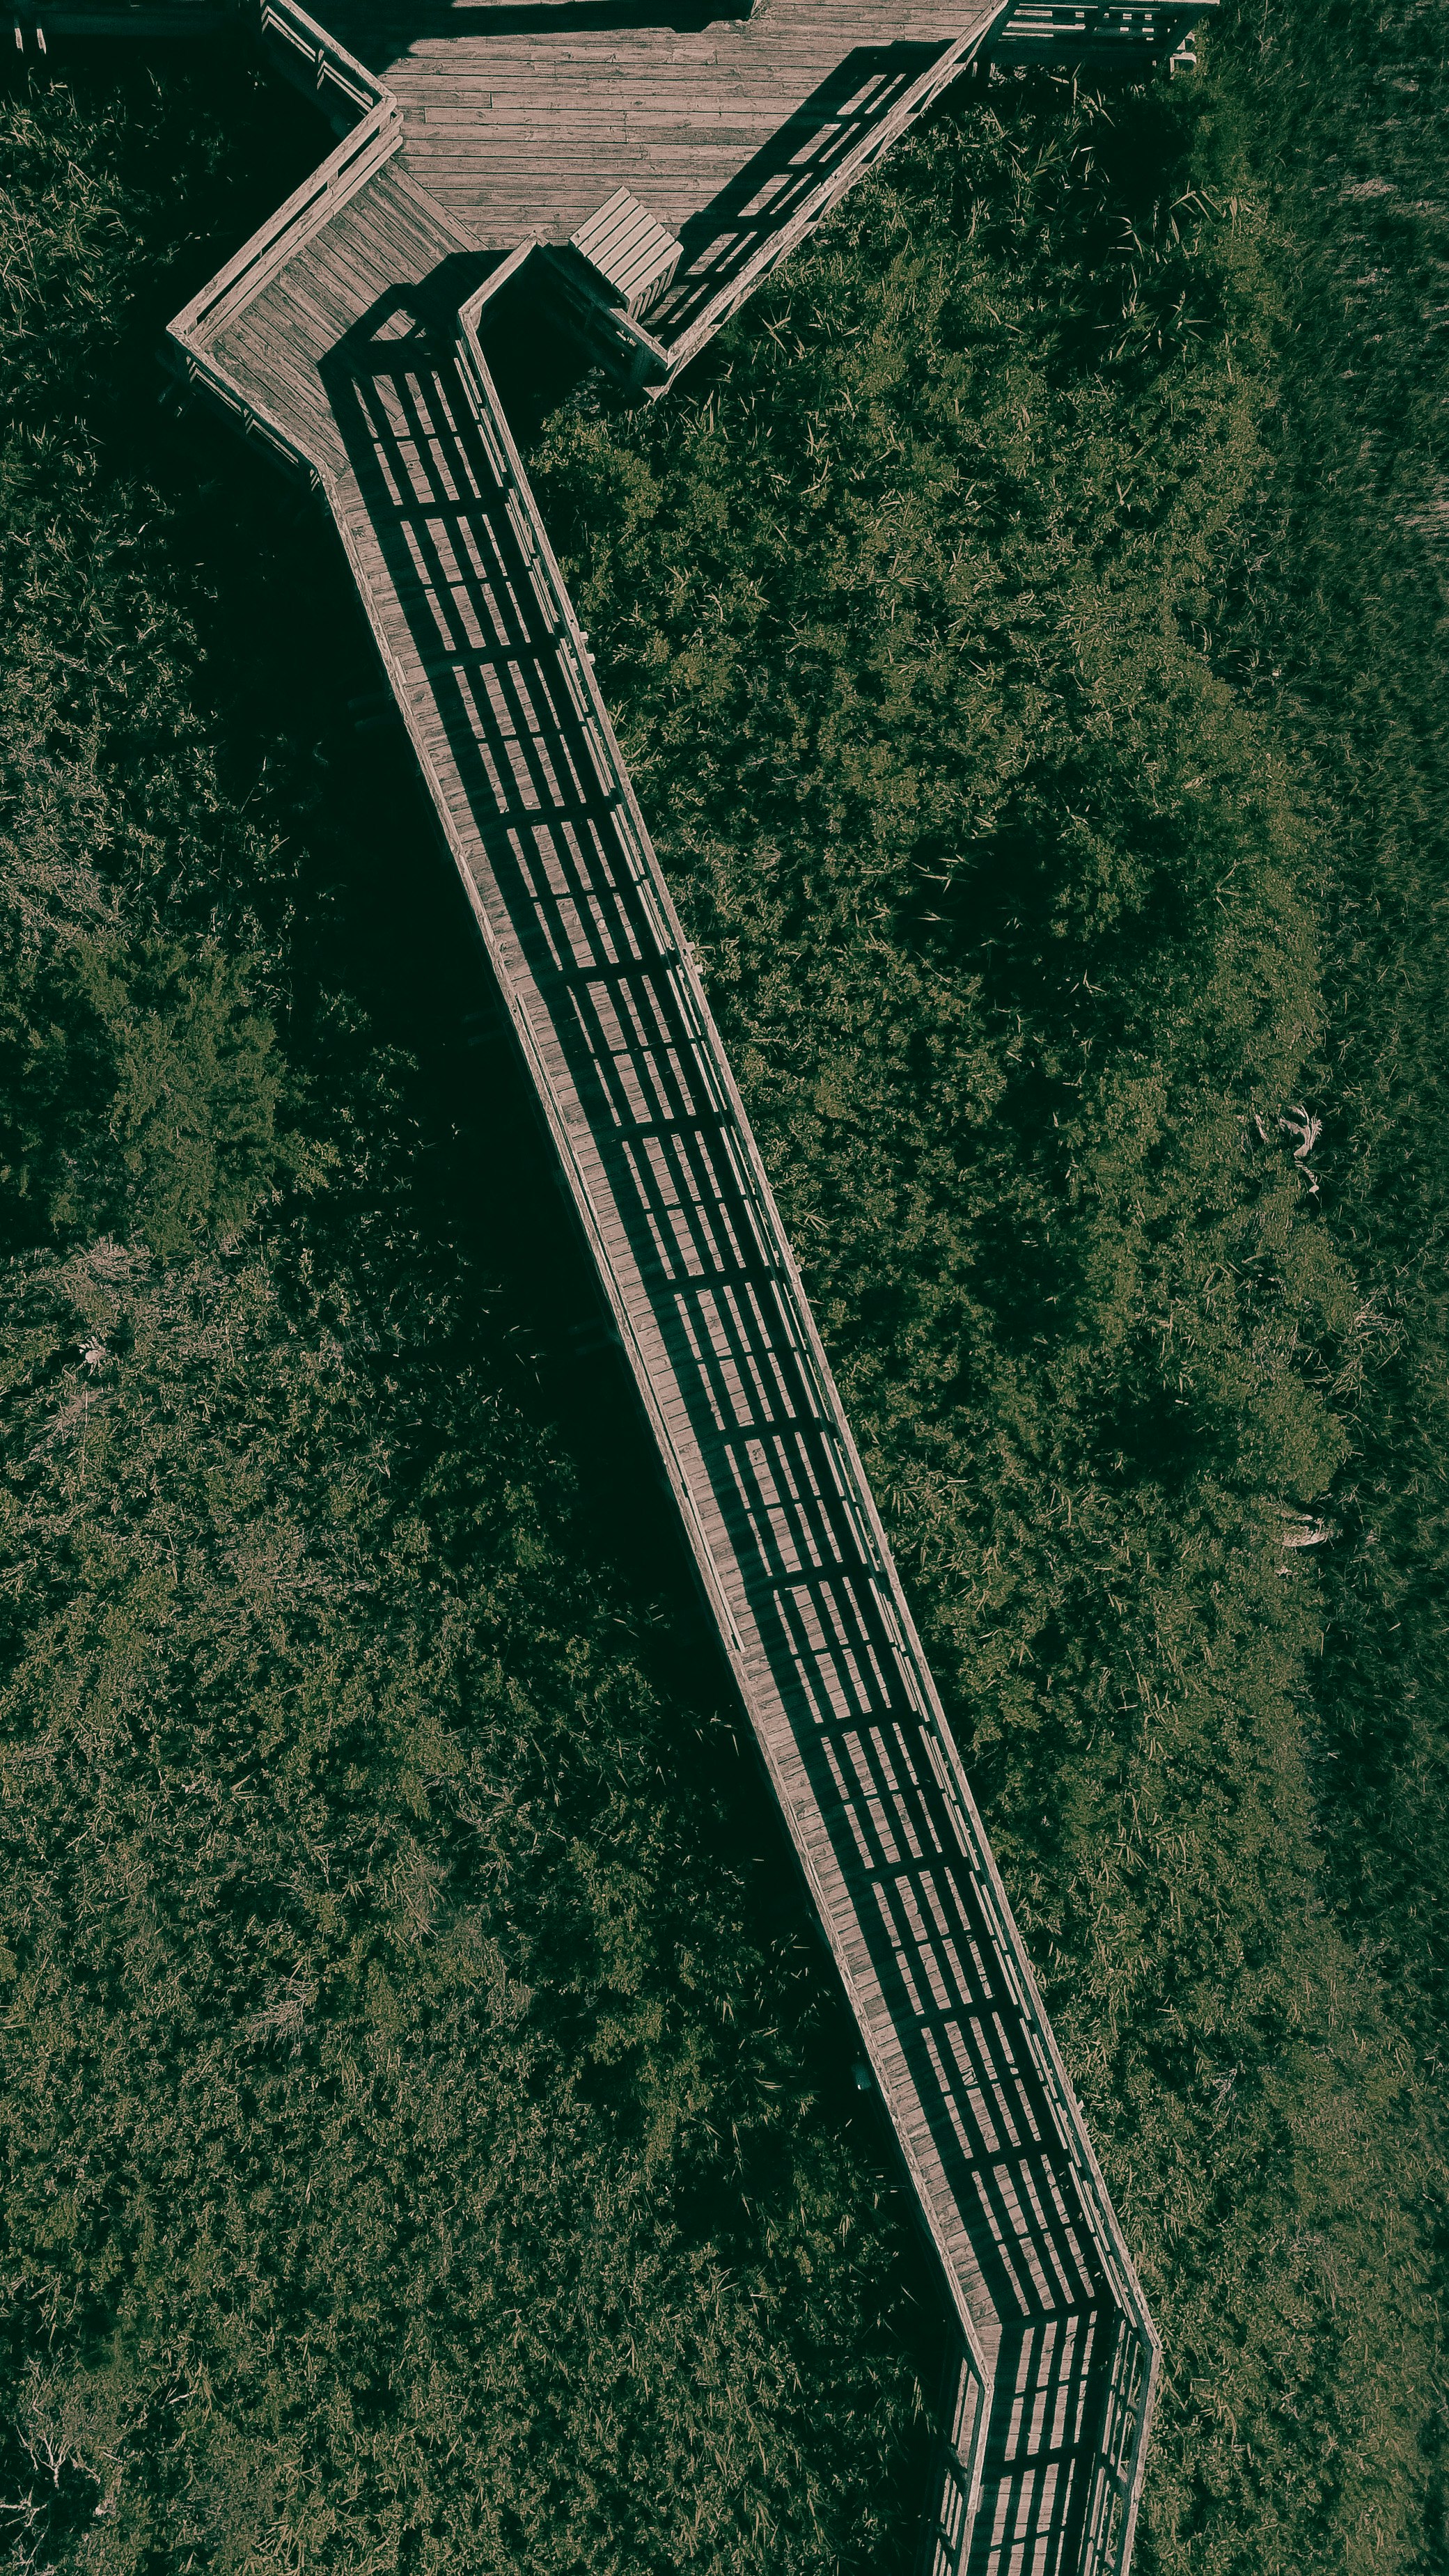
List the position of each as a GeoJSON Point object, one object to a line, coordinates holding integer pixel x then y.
{"type": "Point", "coordinates": [809, 146]}
{"type": "Point", "coordinates": [686, 1232]}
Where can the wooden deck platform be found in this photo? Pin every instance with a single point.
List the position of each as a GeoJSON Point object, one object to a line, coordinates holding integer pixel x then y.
{"type": "Point", "coordinates": [524, 128]}
{"type": "Point", "coordinates": [347, 336]}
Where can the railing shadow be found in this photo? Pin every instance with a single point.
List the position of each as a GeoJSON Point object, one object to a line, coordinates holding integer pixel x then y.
{"type": "Point", "coordinates": [822, 132]}
{"type": "Point", "coordinates": [673, 1180]}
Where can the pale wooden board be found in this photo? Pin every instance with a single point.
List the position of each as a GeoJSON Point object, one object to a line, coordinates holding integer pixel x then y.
{"type": "Point", "coordinates": [526, 130]}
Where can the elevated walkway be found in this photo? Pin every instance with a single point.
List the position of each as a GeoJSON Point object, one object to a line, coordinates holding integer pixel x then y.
{"type": "Point", "coordinates": [348, 336]}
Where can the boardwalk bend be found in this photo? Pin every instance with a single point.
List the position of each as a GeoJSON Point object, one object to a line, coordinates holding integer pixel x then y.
{"type": "Point", "coordinates": [635, 172]}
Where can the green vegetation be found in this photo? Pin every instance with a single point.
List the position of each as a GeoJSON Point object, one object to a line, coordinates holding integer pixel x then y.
{"type": "Point", "coordinates": [426, 2146]}
{"type": "Point", "coordinates": [429, 2131]}
{"type": "Point", "coordinates": [1345, 560]}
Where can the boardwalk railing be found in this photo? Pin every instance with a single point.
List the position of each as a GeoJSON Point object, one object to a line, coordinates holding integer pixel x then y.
{"type": "Point", "coordinates": [343, 87]}
{"type": "Point", "coordinates": [1117, 35]}
{"type": "Point", "coordinates": [878, 137]}
{"type": "Point", "coordinates": [363, 149]}
{"type": "Point", "coordinates": [560, 623]}
{"type": "Point", "coordinates": [1042, 2451]}
{"type": "Point", "coordinates": [629, 352]}
{"type": "Point", "coordinates": [1055, 2330]}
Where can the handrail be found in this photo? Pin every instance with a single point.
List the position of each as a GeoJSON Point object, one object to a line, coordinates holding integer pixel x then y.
{"type": "Point", "coordinates": [646, 361]}
{"type": "Point", "coordinates": [1106, 31]}
{"type": "Point", "coordinates": [1119, 2479]}
{"type": "Point", "coordinates": [332, 65]}
{"type": "Point", "coordinates": [293, 224]}
{"type": "Point", "coordinates": [199, 324]}
{"type": "Point", "coordinates": [201, 369]}
{"type": "Point", "coordinates": [876, 140]}
{"type": "Point", "coordinates": [1117, 2446]}
{"type": "Point", "coordinates": [567, 639]}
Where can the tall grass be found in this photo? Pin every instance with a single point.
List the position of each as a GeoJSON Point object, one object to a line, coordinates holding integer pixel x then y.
{"type": "Point", "coordinates": [953, 670]}
{"type": "Point", "coordinates": [430, 2133]}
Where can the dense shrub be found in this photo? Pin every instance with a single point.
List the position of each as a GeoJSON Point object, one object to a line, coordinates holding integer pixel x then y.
{"type": "Point", "coordinates": [427, 2145]}
{"type": "Point", "coordinates": [429, 2131]}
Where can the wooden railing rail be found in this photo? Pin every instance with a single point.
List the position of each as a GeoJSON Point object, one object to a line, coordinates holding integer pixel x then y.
{"type": "Point", "coordinates": [1120, 2443]}
{"type": "Point", "coordinates": [202, 374]}
{"type": "Point", "coordinates": [1098, 33]}
{"type": "Point", "coordinates": [878, 139]}
{"type": "Point", "coordinates": [361, 151]}
{"type": "Point", "coordinates": [344, 87]}
{"type": "Point", "coordinates": [566, 636]}
{"type": "Point", "coordinates": [628, 350]}
{"type": "Point", "coordinates": [1059, 2360]}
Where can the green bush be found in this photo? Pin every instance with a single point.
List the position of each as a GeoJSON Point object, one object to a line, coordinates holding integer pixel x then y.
{"type": "Point", "coordinates": [924, 610]}
{"type": "Point", "coordinates": [426, 2144]}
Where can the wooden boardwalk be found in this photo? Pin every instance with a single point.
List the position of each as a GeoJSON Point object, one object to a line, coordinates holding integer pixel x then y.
{"type": "Point", "coordinates": [526, 129]}
{"type": "Point", "coordinates": [347, 336]}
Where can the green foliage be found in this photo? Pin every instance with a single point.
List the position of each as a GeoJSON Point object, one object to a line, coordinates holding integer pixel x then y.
{"type": "Point", "coordinates": [424, 2145]}
{"type": "Point", "coordinates": [1011, 898]}
{"type": "Point", "coordinates": [1339, 629]}
{"type": "Point", "coordinates": [163, 1035]}
{"type": "Point", "coordinates": [377, 2035]}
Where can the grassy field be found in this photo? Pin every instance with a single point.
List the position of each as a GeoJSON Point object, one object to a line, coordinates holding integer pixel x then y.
{"type": "Point", "coordinates": [430, 2134]}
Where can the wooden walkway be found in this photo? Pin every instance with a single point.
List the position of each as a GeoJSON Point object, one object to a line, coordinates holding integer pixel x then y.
{"type": "Point", "coordinates": [347, 336]}
{"type": "Point", "coordinates": [525, 129]}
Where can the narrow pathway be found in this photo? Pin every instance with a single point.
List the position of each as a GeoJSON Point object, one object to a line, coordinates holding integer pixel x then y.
{"type": "Point", "coordinates": [347, 335]}
{"type": "Point", "coordinates": [495, 683]}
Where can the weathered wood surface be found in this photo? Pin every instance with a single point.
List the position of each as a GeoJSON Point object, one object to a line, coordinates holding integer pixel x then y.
{"type": "Point", "coordinates": [341, 337]}
{"type": "Point", "coordinates": [522, 126]}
